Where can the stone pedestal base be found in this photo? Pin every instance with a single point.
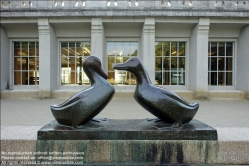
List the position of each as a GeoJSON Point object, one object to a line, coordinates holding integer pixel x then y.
{"type": "Point", "coordinates": [135, 129]}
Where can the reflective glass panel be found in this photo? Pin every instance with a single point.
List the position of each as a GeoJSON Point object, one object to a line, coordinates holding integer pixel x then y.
{"type": "Point", "coordinates": [221, 49]}
{"type": "Point", "coordinates": [25, 78]}
{"type": "Point", "coordinates": [24, 63]}
{"type": "Point", "coordinates": [158, 49]}
{"type": "Point", "coordinates": [17, 78]}
{"type": "Point", "coordinates": [166, 64]}
{"type": "Point", "coordinates": [181, 49]}
{"type": "Point", "coordinates": [120, 52]}
{"type": "Point", "coordinates": [133, 48]}
{"type": "Point", "coordinates": [220, 64]}
{"type": "Point", "coordinates": [229, 78]}
{"type": "Point", "coordinates": [158, 64]}
{"type": "Point", "coordinates": [166, 48]}
{"type": "Point", "coordinates": [181, 63]}
{"type": "Point", "coordinates": [73, 55]}
{"type": "Point", "coordinates": [166, 79]}
{"type": "Point", "coordinates": [32, 64]}
{"type": "Point", "coordinates": [229, 64]}
{"type": "Point", "coordinates": [229, 49]}
{"type": "Point", "coordinates": [32, 51]}
{"type": "Point", "coordinates": [181, 77]}
{"type": "Point", "coordinates": [17, 49]}
{"type": "Point", "coordinates": [173, 49]}
{"type": "Point", "coordinates": [221, 78]}
{"type": "Point", "coordinates": [158, 78]}
{"type": "Point", "coordinates": [25, 51]}
{"type": "Point", "coordinates": [170, 62]}
{"type": "Point", "coordinates": [17, 63]}
{"type": "Point", "coordinates": [72, 49]}
{"type": "Point", "coordinates": [213, 64]}
{"type": "Point", "coordinates": [213, 49]}
{"type": "Point", "coordinates": [33, 78]}
{"type": "Point", "coordinates": [111, 78]}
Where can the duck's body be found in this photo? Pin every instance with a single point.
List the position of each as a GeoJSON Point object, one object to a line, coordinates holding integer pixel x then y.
{"type": "Point", "coordinates": [86, 104]}
{"type": "Point", "coordinates": [161, 102]}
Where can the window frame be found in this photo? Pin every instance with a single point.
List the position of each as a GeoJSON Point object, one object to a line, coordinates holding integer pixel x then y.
{"type": "Point", "coordinates": [186, 41]}
{"type": "Point", "coordinates": [227, 87]}
{"type": "Point", "coordinates": [68, 86]}
{"type": "Point", "coordinates": [12, 65]}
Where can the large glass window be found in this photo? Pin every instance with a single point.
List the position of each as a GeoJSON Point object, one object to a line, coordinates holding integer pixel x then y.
{"type": "Point", "coordinates": [220, 63]}
{"type": "Point", "coordinates": [170, 63]}
{"type": "Point", "coordinates": [72, 55]}
{"type": "Point", "coordinates": [26, 63]}
{"type": "Point", "coordinates": [120, 52]}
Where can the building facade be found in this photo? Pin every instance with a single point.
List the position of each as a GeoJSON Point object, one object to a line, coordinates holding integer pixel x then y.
{"type": "Point", "coordinates": [199, 49]}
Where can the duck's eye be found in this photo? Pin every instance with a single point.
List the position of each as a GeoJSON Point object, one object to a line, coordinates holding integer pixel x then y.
{"type": "Point", "coordinates": [132, 60]}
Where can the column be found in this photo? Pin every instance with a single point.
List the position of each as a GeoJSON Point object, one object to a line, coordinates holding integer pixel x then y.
{"type": "Point", "coordinates": [97, 41]}
{"type": "Point", "coordinates": [48, 58]}
{"type": "Point", "coordinates": [5, 60]}
{"type": "Point", "coordinates": [198, 59]}
{"type": "Point", "coordinates": [242, 66]}
{"type": "Point", "coordinates": [148, 47]}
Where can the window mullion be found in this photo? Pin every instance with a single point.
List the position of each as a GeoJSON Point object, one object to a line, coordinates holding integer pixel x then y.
{"type": "Point", "coordinates": [177, 63]}
{"type": "Point", "coordinates": [162, 70]}
{"type": "Point", "coordinates": [21, 62]}
{"type": "Point", "coordinates": [75, 65]}
{"type": "Point", "coordinates": [217, 65]}
{"type": "Point", "coordinates": [27, 62]}
{"type": "Point", "coordinates": [225, 59]}
{"type": "Point", "coordinates": [68, 58]}
{"type": "Point", "coordinates": [170, 71]}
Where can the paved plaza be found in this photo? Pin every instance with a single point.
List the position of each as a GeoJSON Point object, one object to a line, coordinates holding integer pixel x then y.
{"type": "Point", "coordinates": [21, 118]}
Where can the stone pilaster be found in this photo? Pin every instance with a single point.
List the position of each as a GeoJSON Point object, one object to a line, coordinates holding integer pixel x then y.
{"type": "Point", "coordinates": [47, 56]}
{"type": "Point", "coordinates": [97, 40]}
{"type": "Point", "coordinates": [5, 60]}
{"type": "Point", "coordinates": [198, 65]}
{"type": "Point", "coordinates": [242, 74]}
{"type": "Point", "coordinates": [148, 47]}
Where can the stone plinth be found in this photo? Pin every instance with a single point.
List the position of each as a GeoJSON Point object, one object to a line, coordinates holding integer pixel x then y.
{"type": "Point", "coordinates": [135, 129]}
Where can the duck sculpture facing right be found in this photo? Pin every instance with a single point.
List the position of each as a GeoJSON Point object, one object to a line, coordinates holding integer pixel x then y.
{"type": "Point", "coordinates": [161, 102]}
{"type": "Point", "coordinates": [86, 104]}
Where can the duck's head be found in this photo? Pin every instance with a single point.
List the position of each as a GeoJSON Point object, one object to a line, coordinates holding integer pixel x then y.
{"type": "Point", "coordinates": [130, 65]}
{"type": "Point", "coordinates": [94, 64]}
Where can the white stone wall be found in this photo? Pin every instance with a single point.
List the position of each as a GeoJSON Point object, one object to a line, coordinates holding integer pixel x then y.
{"type": "Point", "coordinates": [147, 23]}
{"type": "Point", "coordinates": [5, 61]}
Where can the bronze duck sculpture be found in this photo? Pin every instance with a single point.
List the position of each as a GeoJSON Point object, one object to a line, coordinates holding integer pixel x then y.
{"type": "Point", "coordinates": [87, 103]}
{"type": "Point", "coordinates": [162, 103]}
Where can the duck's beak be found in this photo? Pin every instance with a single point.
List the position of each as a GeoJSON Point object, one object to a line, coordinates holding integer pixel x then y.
{"type": "Point", "coordinates": [121, 66]}
{"type": "Point", "coordinates": [102, 73]}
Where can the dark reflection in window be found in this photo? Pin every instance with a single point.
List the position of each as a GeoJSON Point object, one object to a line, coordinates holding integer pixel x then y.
{"type": "Point", "coordinates": [26, 63]}
{"type": "Point", "coordinates": [170, 61]}
{"type": "Point", "coordinates": [219, 63]}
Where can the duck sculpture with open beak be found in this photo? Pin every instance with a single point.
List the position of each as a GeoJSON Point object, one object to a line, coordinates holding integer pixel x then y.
{"type": "Point", "coordinates": [161, 102]}
{"type": "Point", "coordinates": [86, 104]}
